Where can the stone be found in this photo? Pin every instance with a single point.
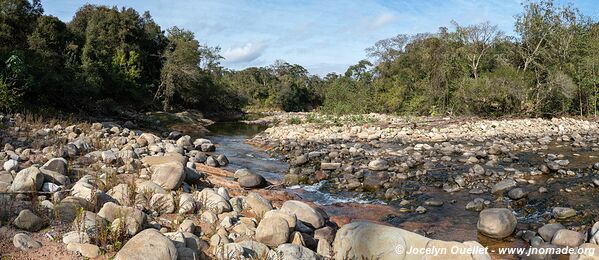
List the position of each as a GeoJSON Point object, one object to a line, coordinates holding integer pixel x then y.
{"type": "Point", "coordinates": [222, 160]}
{"type": "Point", "coordinates": [586, 251]}
{"type": "Point", "coordinates": [378, 165]}
{"type": "Point", "coordinates": [272, 231]}
{"type": "Point", "coordinates": [300, 160]}
{"type": "Point", "coordinates": [58, 165]}
{"type": "Point", "coordinates": [167, 158]}
{"type": "Point", "coordinates": [210, 161]}
{"type": "Point", "coordinates": [254, 250]}
{"type": "Point", "coordinates": [325, 233]}
{"type": "Point", "coordinates": [366, 240]}
{"type": "Point", "coordinates": [496, 222]}
{"type": "Point", "coordinates": [563, 212]}
{"type": "Point", "coordinates": [252, 181]}
{"type": "Point", "coordinates": [28, 221]}
{"type": "Point", "coordinates": [75, 237]}
{"type": "Point", "coordinates": [163, 203]}
{"type": "Point", "coordinates": [109, 157]}
{"type": "Point", "coordinates": [503, 185]}
{"type": "Point", "coordinates": [148, 244]}
{"type": "Point", "coordinates": [30, 179]}
{"type": "Point", "coordinates": [209, 199]}
{"type": "Point", "coordinates": [565, 237]}
{"type": "Point", "coordinates": [25, 242]}
{"type": "Point", "coordinates": [291, 219]}
{"type": "Point", "coordinates": [86, 250]}
{"type": "Point", "coordinates": [187, 204]}
{"type": "Point", "coordinates": [169, 176]}
{"type": "Point", "coordinates": [420, 210]}
{"type": "Point", "coordinates": [324, 248]}
{"type": "Point", "coordinates": [478, 170]}
{"type": "Point", "coordinates": [242, 172]}
{"type": "Point", "coordinates": [121, 194]}
{"type": "Point", "coordinates": [517, 194]}
{"type": "Point", "coordinates": [111, 211]}
{"type": "Point", "coordinates": [329, 166]}
{"type": "Point", "coordinates": [10, 165]}
{"type": "Point", "coordinates": [292, 251]}
{"type": "Point", "coordinates": [304, 213]}
{"type": "Point", "coordinates": [258, 204]}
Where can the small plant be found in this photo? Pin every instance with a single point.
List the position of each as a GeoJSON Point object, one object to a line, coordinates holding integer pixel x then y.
{"type": "Point", "coordinates": [294, 120]}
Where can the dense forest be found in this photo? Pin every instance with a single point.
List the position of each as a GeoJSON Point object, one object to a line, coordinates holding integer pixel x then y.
{"type": "Point", "coordinates": [108, 59]}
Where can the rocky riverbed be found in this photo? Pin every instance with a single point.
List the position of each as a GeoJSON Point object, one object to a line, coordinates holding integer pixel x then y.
{"type": "Point", "coordinates": [440, 173]}
{"type": "Point", "coordinates": [109, 190]}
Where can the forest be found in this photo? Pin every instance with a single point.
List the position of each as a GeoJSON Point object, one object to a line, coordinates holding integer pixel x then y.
{"type": "Point", "coordinates": [108, 59]}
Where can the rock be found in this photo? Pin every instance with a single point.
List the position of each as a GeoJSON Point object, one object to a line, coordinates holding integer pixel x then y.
{"type": "Point", "coordinates": [254, 250]}
{"type": "Point", "coordinates": [478, 170]}
{"type": "Point", "coordinates": [433, 202]}
{"type": "Point", "coordinates": [586, 251]}
{"type": "Point", "coordinates": [563, 212]}
{"type": "Point", "coordinates": [121, 194]}
{"type": "Point", "coordinates": [258, 204]}
{"type": "Point", "coordinates": [496, 222]}
{"type": "Point", "coordinates": [503, 185]}
{"type": "Point", "coordinates": [329, 166]}
{"type": "Point", "coordinates": [304, 213]}
{"type": "Point", "coordinates": [50, 187]}
{"type": "Point", "coordinates": [86, 250]}
{"type": "Point", "coordinates": [366, 240]}
{"type": "Point", "coordinates": [169, 176]}
{"type": "Point", "coordinates": [324, 248]}
{"type": "Point", "coordinates": [127, 224]}
{"type": "Point", "coordinates": [242, 172]}
{"type": "Point", "coordinates": [28, 221]}
{"type": "Point", "coordinates": [291, 251]}
{"type": "Point", "coordinates": [58, 165]}
{"type": "Point", "coordinates": [378, 165]}
{"type": "Point", "coordinates": [187, 226]}
{"type": "Point", "coordinates": [272, 231]}
{"type": "Point", "coordinates": [148, 244]}
{"type": "Point", "coordinates": [517, 194]}
{"type": "Point", "coordinates": [209, 199]}
{"type": "Point", "coordinates": [565, 237]}
{"type": "Point", "coordinates": [300, 160]}
{"type": "Point", "coordinates": [10, 165]}
{"type": "Point", "coordinates": [476, 205]}
{"type": "Point", "coordinates": [252, 181]}
{"type": "Point", "coordinates": [222, 160]}
{"type": "Point", "coordinates": [25, 242]}
{"type": "Point", "coordinates": [167, 158]}
{"type": "Point", "coordinates": [111, 211]}
{"type": "Point", "coordinates": [291, 219]}
{"type": "Point", "coordinates": [30, 179]}
{"type": "Point", "coordinates": [326, 233]}
{"type": "Point", "coordinates": [186, 204]}
{"type": "Point", "coordinates": [210, 161]}
{"type": "Point", "coordinates": [163, 203]}
{"type": "Point", "coordinates": [420, 210]}
{"type": "Point", "coordinates": [109, 157]}
{"type": "Point", "coordinates": [75, 237]}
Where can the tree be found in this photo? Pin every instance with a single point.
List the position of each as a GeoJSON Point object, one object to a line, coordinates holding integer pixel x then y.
{"type": "Point", "coordinates": [476, 41]}
{"type": "Point", "coordinates": [180, 72]}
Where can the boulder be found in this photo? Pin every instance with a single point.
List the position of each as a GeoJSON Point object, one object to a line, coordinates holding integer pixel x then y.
{"type": "Point", "coordinates": [167, 158]}
{"type": "Point", "coordinates": [252, 181]}
{"type": "Point", "coordinates": [378, 165]}
{"type": "Point", "coordinates": [30, 179]}
{"type": "Point", "coordinates": [566, 237]}
{"type": "Point", "coordinates": [563, 212]}
{"type": "Point", "coordinates": [547, 231]}
{"type": "Point", "coordinates": [86, 250]}
{"type": "Point", "coordinates": [292, 251]}
{"type": "Point", "coordinates": [496, 222]}
{"type": "Point", "coordinates": [586, 251]}
{"type": "Point", "coordinates": [28, 221]}
{"type": "Point", "coordinates": [304, 213]}
{"type": "Point", "coordinates": [209, 199]}
{"type": "Point", "coordinates": [272, 231]}
{"type": "Point", "coordinates": [186, 204]}
{"type": "Point", "coordinates": [148, 245]}
{"type": "Point", "coordinates": [253, 249]}
{"type": "Point", "coordinates": [111, 211]}
{"type": "Point", "coordinates": [222, 160]}
{"type": "Point", "coordinates": [258, 204]}
{"type": "Point", "coordinates": [504, 185]}
{"type": "Point", "coordinates": [169, 176]}
{"type": "Point", "coordinates": [163, 203]}
{"type": "Point", "coordinates": [58, 165]}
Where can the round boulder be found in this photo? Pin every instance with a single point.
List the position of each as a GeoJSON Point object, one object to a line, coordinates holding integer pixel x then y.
{"type": "Point", "coordinates": [496, 222]}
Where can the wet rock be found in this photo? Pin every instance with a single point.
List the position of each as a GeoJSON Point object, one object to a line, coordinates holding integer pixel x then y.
{"type": "Point", "coordinates": [476, 205]}
{"type": "Point", "coordinates": [563, 212]}
{"type": "Point", "coordinates": [433, 202]}
{"type": "Point", "coordinates": [304, 213]}
{"type": "Point", "coordinates": [504, 185]}
{"type": "Point", "coordinates": [496, 222]}
{"type": "Point", "coordinates": [148, 244]}
{"type": "Point", "coordinates": [222, 160]}
{"type": "Point", "coordinates": [25, 242]}
{"type": "Point", "coordinates": [272, 231]}
{"type": "Point", "coordinates": [28, 221]}
{"type": "Point", "coordinates": [210, 161]}
{"type": "Point", "coordinates": [565, 237]}
{"type": "Point", "coordinates": [548, 230]}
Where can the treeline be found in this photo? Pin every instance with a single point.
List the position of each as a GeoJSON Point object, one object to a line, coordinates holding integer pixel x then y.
{"type": "Point", "coordinates": [549, 67]}
{"type": "Point", "coordinates": [106, 59]}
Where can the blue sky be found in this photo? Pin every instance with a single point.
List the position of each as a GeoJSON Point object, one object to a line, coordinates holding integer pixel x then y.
{"type": "Point", "coordinates": [321, 35]}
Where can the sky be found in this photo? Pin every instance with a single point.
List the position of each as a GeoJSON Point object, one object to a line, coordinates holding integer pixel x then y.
{"type": "Point", "coordinates": [321, 35]}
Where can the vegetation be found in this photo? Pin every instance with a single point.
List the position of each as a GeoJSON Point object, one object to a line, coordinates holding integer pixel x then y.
{"type": "Point", "coordinates": [107, 59]}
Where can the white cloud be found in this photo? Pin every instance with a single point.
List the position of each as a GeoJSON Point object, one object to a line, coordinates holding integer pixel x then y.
{"type": "Point", "coordinates": [245, 53]}
{"type": "Point", "coordinates": [383, 19]}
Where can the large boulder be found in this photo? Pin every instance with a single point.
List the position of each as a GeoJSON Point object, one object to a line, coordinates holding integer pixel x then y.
{"type": "Point", "coordinates": [30, 179]}
{"type": "Point", "coordinates": [565, 237]}
{"type": "Point", "coordinates": [148, 245]}
{"type": "Point", "coordinates": [167, 158]}
{"type": "Point", "coordinates": [304, 213]}
{"type": "Point", "coordinates": [272, 231]}
{"type": "Point", "coordinates": [252, 180]}
{"type": "Point", "coordinates": [292, 251]}
{"type": "Point", "coordinates": [547, 231]}
{"type": "Point", "coordinates": [496, 222]}
{"type": "Point", "coordinates": [168, 175]}
{"type": "Point", "coordinates": [111, 211]}
{"type": "Point", "coordinates": [366, 240]}
{"type": "Point", "coordinates": [258, 204]}
{"type": "Point", "coordinates": [58, 165]}
{"type": "Point", "coordinates": [28, 221]}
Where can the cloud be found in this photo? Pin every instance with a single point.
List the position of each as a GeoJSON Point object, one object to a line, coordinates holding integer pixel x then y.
{"type": "Point", "coordinates": [383, 19]}
{"type": "Point", "coordinates": [245, 53]}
